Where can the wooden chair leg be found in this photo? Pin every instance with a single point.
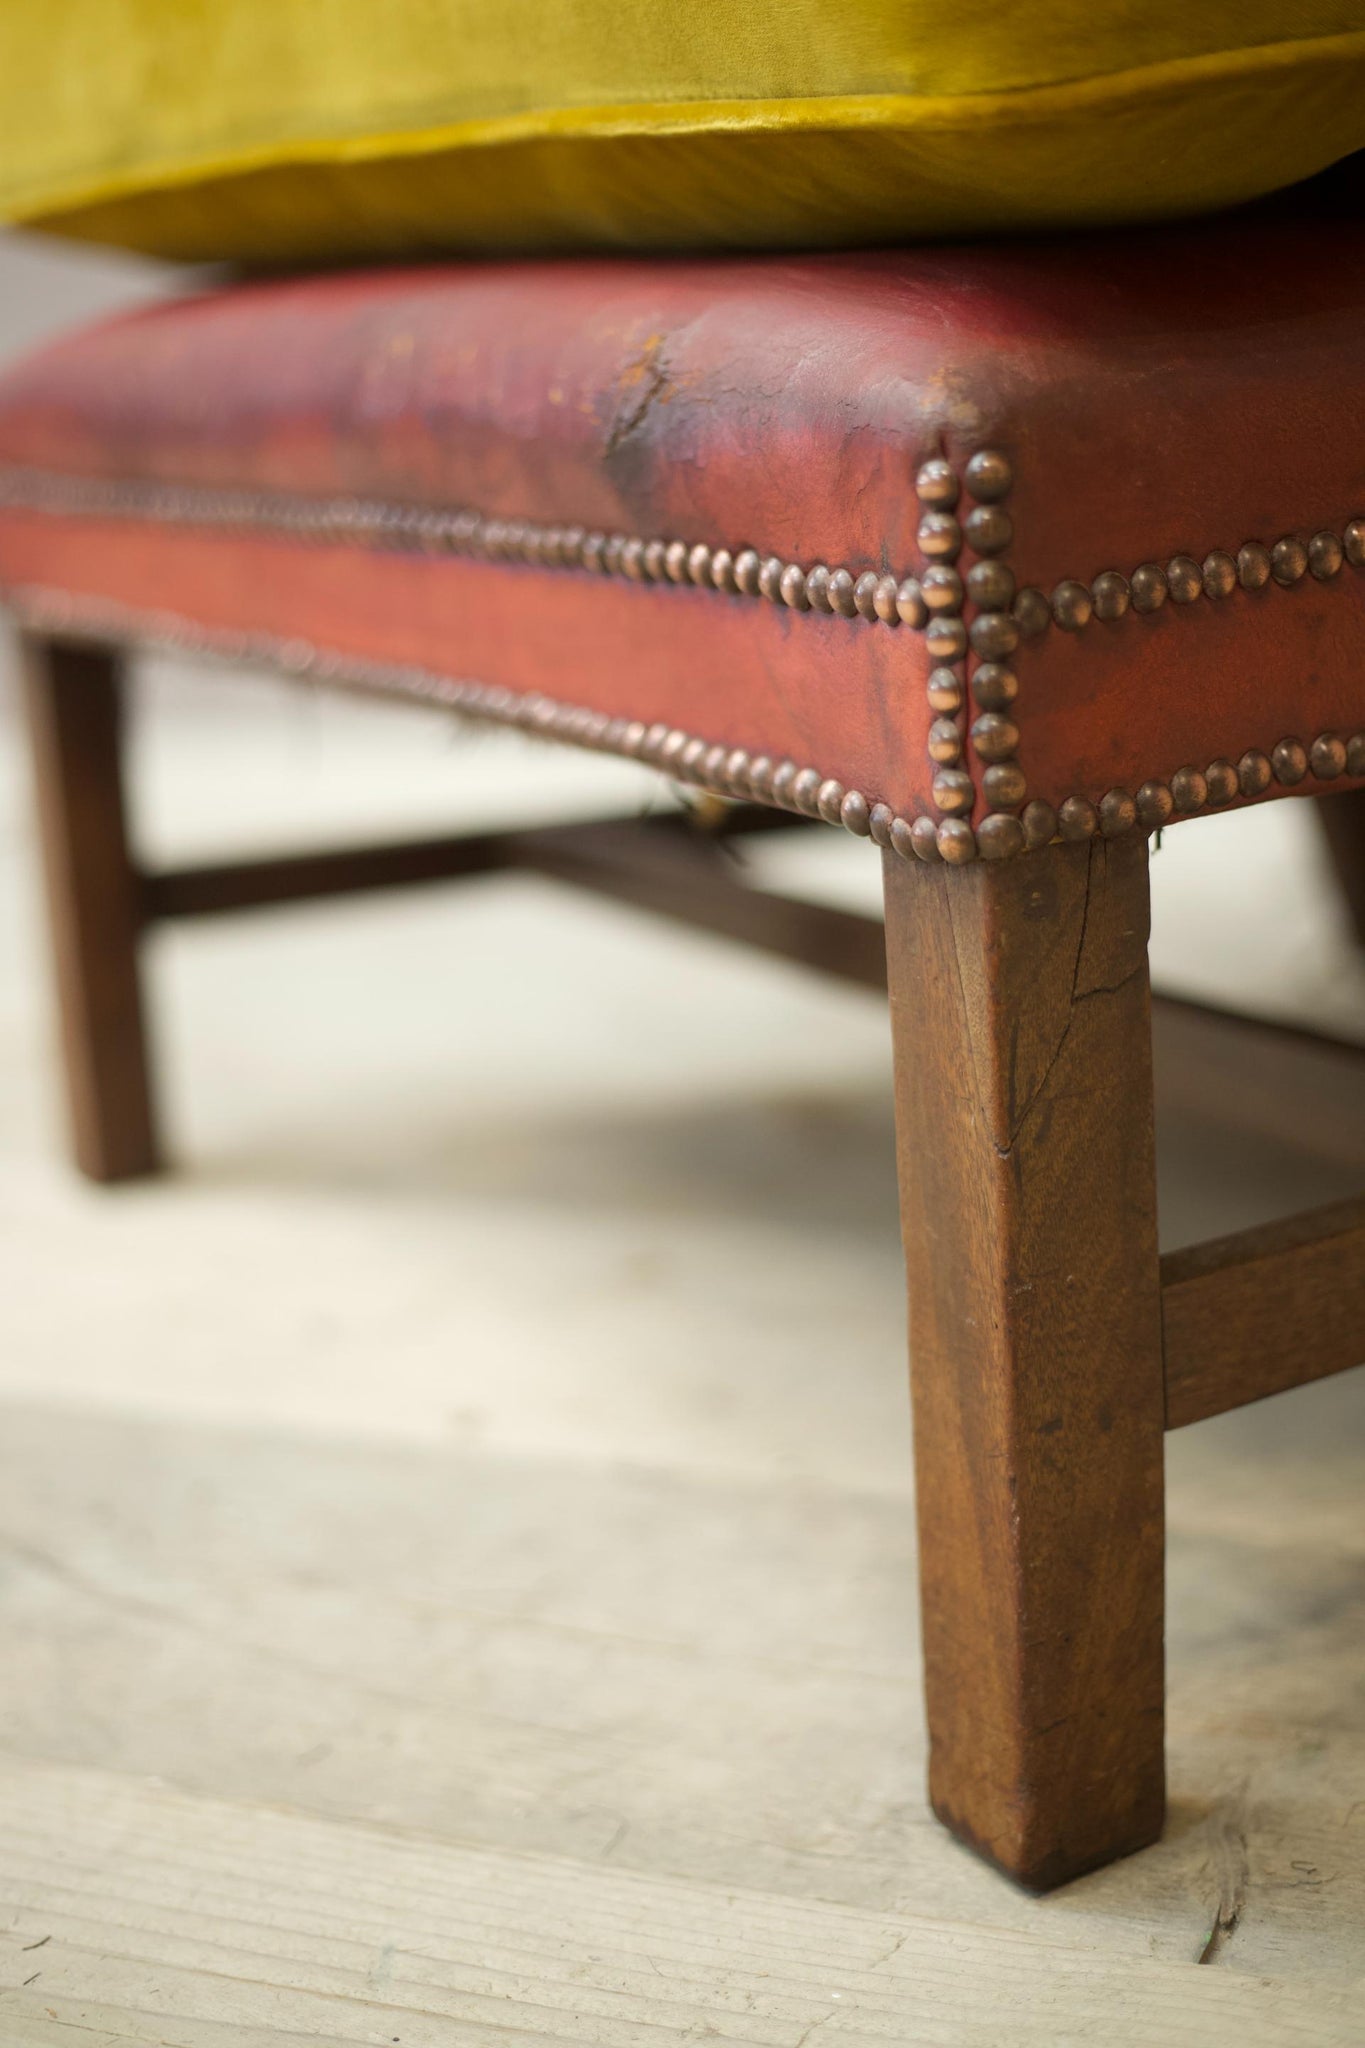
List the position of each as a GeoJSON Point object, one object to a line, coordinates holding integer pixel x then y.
{"type": "Point", "coordinates": [1343, 825]}
{"type": "Point", "coordinates": [1020, 1011]}
{"type": "Point", "coordinates": [73, 700]}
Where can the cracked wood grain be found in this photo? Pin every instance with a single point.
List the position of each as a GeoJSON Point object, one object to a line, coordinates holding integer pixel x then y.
{"type": "Point", "coordinates": [1021, 1017]}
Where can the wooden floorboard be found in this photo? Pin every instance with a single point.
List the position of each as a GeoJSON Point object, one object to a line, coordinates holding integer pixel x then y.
{"type": "Point", "coordinates": [137, 1914]}
{"type": "Point", "coordinates": [346, 1742]}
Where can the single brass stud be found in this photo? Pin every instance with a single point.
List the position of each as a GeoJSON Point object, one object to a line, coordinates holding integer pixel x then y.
{"type": "Point", "coordinates": [921, 838]}
{"type": "Point", "coordinates": [989, 476]}
{"type": "Point", "coordinates": [1148, 586]}
{"type": "Point", "coordinates": [990, 586]}
{"type": "Point", "coordinates": [1078, 818]}
{"type": "Point", "coordinates": [1327, 757]}
{"type": "Point", "coordinates": [884, 603]}
{"type": "Point", "coordinates": [942, 588]}
{"type": "Point", "coordinates": [879, 822]}
{"type": "Point", "coordinates": [1039, 821]}
{"type": "Point", "coordinates": [633, 737]}
{"type": "Point", "coordinates": [770, 571]}
{"type": "Point", "coordinates": [1354, 539]}
{"type": "Point", "coordinates": [655, 740]}
{"type": "Point", "coordinates": [1110, 595]}
{"type": "Point", "coordinates": [1155, 805]}
{"type": "Point", "coordinates": [713, 765]}
{"type": "Point", "coordinates": [670, 753]}
{"type": "Point", "coordinates": [1254, 774]}
{"type": "Point", "coordinates": [994, 686]}
{"type": "Point", "coordinates": [592, 551]}
{"type": "Point", "coordinates": [946, 637]}
{"type": "Point", "coordinates": [953, 791]}
{"type": "Point", "coordinates": [736, 771]}
{"type": "Point", "coordinates": [1220, 778]}
{"type": "Point", "coordinates": [806, 791]}
{"type": "Point", "coordinates": [1004, 786]}
{"type": "Point", "coordinates": [699, 563]}
{"type": "Point", "coordinates": [1325, 556]}
{"type": "Point", "coordinates": [793, 587]}
{"type": "Point", "coordinates": [854, 814]}
{"type": "Point", "coordinates": [692, 756]}
{"type": "Point", "coordinates": [1000, 836]}
{"type": "Point", "coordinates": [937, 484]}
{"type": "Point", "coordinates": [1290, 762]}
{"type": "Point", "coordinates": [956, 841]}
{"type": "Point", "coordinates": [1220, 574]}
{"type": "Point", "coordinates": [723, 569]}
{"type": "Point", "coordinates": [1071, 606]}
{"type": "Point", "coordinates": [1355, 754]}
{"type": "Point", "coordinates": [1189, 790]}
{"type": "Point", "coordinates": [747, 566]}
{"type": "Point", "coordinates": [655, 560]}
{"type": "Point", "coordinates": [829, 801]}
{"type": "Point", "coordinates": [902, 842]}
{"type": "Point", "coordinates": [841, 597]}
{"type": "Point", "coordinates": [1253, 565]}
{"type": "Point", "coordinates": [1032, 612]}
{"type": "Point", "coordinates": [633, 560]}
{"type": "Point", "coordinates": [817, 588]}
{"type": "Point", "coordinates": [784, 776]}
{"type": "Point", "coordinates": [940, 537]}
{"type": "Point", "coordinates": [988, 530]}
{"type": "Point", "coordinates": [1184, 579]}
{"type": "Point", "coordinates": [994, 635]}
{"type": "Point", "coordinates": [945, 690]}
{"type": "Point", "coordinates": [1118, 813]}
{"type": "Point", "coordinates": [865, 594]}
{"type": "Point", "coordinates": [945, 742]}
{"type": "Point", "coordinates": [613, 554]}
{"type": "Point", "coordinates": [1288, 559]}
{"type": "Point", "coordinates": [762, 772]}
{"type": "Point", "coordinates": [911, 609]}
{"type": "Point", "coordinates": [995, 737]}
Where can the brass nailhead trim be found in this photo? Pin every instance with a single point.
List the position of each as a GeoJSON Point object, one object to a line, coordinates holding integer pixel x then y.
{"type": "Point", "coordinates": [727, 771]}
{"type": "Point", "coordinates": [1110, 595]}
{"type": "Point", "coordinates": [734, 772]}
{"type": "Point", "coordinates": [933, 603]}
{"type": "Point", "coordinates": [877, 598]}
{"type": "Point", "coordinates": [991, 635]}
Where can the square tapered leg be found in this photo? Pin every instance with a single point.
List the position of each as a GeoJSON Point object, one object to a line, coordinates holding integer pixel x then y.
{"type": "Point", "coordinates": [1020, 1010]}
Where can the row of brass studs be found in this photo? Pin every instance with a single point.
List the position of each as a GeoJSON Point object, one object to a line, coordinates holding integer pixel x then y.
{"type": "Point", "coordinates": [734, 772]}
{"type": "Point", "coordinates": [685, 757]}
{"type": "Point", "coordinates": [989, 639]}
{"type": "Point", "coordinates": [1073, 604]}
{"type": "Point", "coordinates": [874, 596]}
{"type": "Point", "coordinates": [1196, 789]}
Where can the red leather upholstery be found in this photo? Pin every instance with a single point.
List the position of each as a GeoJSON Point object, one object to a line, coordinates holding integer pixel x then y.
{"type": "Point", "coordinates": [1156, 396]}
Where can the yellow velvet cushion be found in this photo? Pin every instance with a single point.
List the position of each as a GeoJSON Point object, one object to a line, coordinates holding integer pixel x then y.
{"type": "Point", "coordinates": [287, 130]}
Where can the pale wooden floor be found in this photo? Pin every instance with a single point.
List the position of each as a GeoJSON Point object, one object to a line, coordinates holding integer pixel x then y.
{"type": "Point", "coordinates": [456, 1561]}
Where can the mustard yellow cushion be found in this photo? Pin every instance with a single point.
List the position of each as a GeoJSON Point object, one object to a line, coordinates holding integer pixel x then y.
{"type": "Point", "coordinates": [274, 130]}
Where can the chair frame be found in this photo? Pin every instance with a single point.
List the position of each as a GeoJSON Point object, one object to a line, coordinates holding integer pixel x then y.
{"type": "Point", "coordinates": [1051, 1345]}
